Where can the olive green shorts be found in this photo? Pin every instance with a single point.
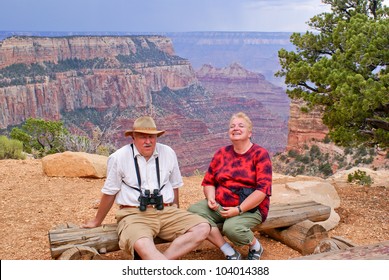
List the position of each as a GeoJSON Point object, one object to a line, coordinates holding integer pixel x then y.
{"type": "Point", "coordinates": [237, 229]}
{"type": "Point", "coordinates": [168, 224]}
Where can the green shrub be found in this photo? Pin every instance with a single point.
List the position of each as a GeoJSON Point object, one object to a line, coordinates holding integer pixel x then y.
{"type": "Point", "coordinates": [11, 149]}
{"type": "Point", "coordinates": [105, 150]}
{"type": "Point", "coordinates": [303, 159]}
{"type": "Point", "coordinates": [292, 153]}
{"type": "Point", "coordinates": [360, 177]}
{"type": "Point", "coordinates": [327, 139]}
{"type": "Point", "coordinates": [40, 137]}
{"type": "Point", "coordinates": [326, 169]}
{"type": "Point", "coordinates": [361, 151]}
{"type": "Point", "coordinates": [348, 151]}
{"type": "Point", "coordinates": [315, 152]}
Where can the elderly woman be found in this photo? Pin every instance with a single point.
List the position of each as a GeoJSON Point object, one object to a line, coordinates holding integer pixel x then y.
{"type": "Point", "coordinates": [237, 187]}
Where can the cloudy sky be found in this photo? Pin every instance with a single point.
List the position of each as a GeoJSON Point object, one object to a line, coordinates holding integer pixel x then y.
{"type": "Point", "coordinates": [158, 15]}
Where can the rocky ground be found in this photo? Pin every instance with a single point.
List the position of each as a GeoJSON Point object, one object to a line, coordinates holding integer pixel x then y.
{"type": "Point", "coordinates": [32, 204]}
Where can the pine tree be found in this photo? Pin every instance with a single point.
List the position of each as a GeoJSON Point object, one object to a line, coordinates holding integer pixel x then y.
{"type": "Point", "coordinates": [342, 66]}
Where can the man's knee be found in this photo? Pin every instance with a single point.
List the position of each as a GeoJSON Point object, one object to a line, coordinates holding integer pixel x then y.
{"type": "Point", "coordinates": [201, 230]}
{"type": "Point", "coordinates": [143, 242]}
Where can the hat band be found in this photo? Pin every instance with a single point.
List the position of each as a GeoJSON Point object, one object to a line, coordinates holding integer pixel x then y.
{"type": "Point", "coordinates": [145, 128]}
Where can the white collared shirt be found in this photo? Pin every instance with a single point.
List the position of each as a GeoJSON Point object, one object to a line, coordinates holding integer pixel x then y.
{"type": "Point", "coordinates": [121, 174]}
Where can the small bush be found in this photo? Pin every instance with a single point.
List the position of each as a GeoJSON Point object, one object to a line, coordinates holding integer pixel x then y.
{"type": "Point", "coordinates": [327, 139]}
{"type": "Point", "coordinates": [348, 151]}
{"type": "Point", "coordinates": [315, 152]}
{"type": "Point", "coordinates": [11, 149]}
{"type": "Point", "coordinates": [292, 153]}
{"type": "Point", "coordinates": [326, 169]}
{"type": "Point", "coordinates": [303, 159]}
{"type": "Point", "coordinates": [360, 177]}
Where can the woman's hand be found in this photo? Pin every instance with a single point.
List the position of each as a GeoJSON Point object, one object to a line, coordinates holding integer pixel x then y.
{"type": "Point", "coordinates": [212, 204]}
{"type": "Point", "coordinates": [228, 212]}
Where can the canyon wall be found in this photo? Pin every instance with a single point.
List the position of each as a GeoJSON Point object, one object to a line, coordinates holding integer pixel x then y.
{"type": "Point", "coordinates": [304, 127]}
{"type": "Point", "coordinates": [136, 75]}
{"type": "Point", "coordinates": [20, 49]}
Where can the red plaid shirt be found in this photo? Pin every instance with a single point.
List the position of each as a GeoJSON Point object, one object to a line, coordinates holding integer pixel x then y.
{"type": "Point", "coordinates": [229, 171]}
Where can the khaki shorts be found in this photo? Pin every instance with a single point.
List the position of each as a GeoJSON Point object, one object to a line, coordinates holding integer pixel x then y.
{"type": "Point", "coordinates": [168, 224]}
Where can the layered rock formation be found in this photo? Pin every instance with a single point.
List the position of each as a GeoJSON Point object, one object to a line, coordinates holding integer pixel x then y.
{"type": "Point", "coordinates": [86, 88]}
{"type": "Point", "coordinates": [256, 51]}
{"type": "Point", "coordinates": [304, 127]}
{"type": "Point", "coordinates": [121, 78]}
{"type": "Point", "coordinates": [42, 49]}
{"type": "Point", "coordinates": [267, 106]}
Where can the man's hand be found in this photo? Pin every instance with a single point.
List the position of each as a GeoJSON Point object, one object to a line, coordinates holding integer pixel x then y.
{"type": "Point", "coordinates": [90, 224]}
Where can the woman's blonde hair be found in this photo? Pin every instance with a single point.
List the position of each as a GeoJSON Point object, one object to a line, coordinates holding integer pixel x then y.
{"type": "Point", "coordinates": [242, 115]}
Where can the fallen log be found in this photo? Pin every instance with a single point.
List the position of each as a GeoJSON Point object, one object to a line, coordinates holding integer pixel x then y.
{"type": "Point", "coordinates": [303, 237]}
{"type": "Point", "coordinates": [287, 214]}
{"type": "Point", "coordinates": [105, 239]}
{"type": "Point", "coordinates": [377, 251]}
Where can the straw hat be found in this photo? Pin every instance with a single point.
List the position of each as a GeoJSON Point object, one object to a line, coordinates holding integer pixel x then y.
{"type": "Point", "coordinates": [144, 125]}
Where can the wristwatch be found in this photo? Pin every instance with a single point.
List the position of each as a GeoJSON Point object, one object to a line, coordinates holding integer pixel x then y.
{"type": "Point", "coordinates": [240, 210]}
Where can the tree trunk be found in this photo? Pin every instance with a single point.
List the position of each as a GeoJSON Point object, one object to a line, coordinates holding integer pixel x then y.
{"type": "Point", "coordinates": [103, 239]}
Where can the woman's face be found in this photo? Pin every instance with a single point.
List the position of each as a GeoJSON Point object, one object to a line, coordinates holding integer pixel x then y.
{"type": "Point", "coordinates": [239, 130]}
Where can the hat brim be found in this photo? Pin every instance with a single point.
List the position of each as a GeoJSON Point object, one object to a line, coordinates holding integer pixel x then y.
{"type": "Point", "coordinates": [151, 132]}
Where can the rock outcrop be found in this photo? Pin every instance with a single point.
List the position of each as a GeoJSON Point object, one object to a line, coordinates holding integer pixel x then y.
{"type": "Point", "coordinates": [75, 164]}
{"type": "Point", "coordinates": [304, 127]}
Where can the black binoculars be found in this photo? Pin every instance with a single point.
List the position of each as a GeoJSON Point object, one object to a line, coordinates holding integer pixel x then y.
{"type": "Point", "coordinates": [155, 199]}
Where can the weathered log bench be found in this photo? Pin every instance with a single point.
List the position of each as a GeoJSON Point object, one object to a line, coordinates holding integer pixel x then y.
{"type": "Point", "coordinates": [73, 242]}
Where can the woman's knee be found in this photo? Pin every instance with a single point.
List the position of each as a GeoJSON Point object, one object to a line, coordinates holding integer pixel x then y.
{"type": "Point", "coordinates": [239, 235]}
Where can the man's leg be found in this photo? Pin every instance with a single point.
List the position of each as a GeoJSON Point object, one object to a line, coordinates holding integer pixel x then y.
{"type": "Point", "coordinates": [146, 249]}
{"type": "Point", "coordinates": [188, 241]}
{"type": "Point", "coordinates": [216, 238]}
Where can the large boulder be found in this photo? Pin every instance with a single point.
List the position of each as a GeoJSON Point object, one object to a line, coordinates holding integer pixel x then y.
{"type": "Point", "coordinates": [304, 188]}
{"type": "Point", "coordinates": [75, 164]}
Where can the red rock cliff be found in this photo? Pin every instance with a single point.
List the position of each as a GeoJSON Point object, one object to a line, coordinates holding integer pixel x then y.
{"type": "Point", "coordinates": [38, 49]}
{"type": "Point", "coordinates": [304, 127]}
{"type": "Point", "coordinates": [94, 88]}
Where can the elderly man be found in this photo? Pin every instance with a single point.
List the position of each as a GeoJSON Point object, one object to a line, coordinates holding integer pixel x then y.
{"type": "Point", "coordinates": [143, 179]}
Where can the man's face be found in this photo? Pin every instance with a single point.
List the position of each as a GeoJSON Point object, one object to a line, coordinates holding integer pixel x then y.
{"type": "Point", "coordinates": [145, 143]}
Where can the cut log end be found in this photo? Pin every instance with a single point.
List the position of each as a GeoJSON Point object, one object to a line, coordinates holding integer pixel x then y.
{"type": "Point", "coordinates": [80, 253]}
{"type": "Point", "coordinates": [303, 237]}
